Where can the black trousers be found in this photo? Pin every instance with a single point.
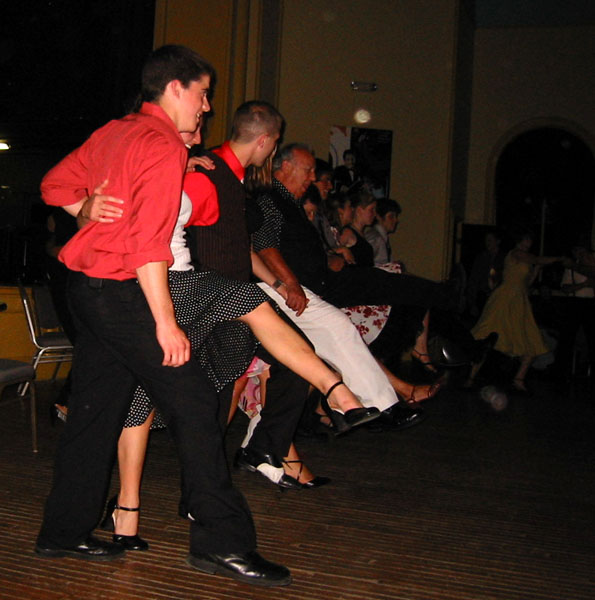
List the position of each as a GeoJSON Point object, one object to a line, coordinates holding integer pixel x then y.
{"type": "Point", "coordinates": [409, 296]}
{"type": "Point", "coordinates": [116, 349]}
{"type": "Point", "coordinates": [368, 285]}
{"type": "Point", "coordinates": [286, 395]}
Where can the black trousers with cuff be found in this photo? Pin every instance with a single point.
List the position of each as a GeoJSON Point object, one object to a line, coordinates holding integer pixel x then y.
{"type": "Point", "coordinates": [116, 349]}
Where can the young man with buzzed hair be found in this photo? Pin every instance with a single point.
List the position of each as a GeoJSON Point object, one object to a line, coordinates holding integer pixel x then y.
{"type": "Point", "coordinates": [127, 332]}
{"type": "Point", "coordinates": [225, 247]}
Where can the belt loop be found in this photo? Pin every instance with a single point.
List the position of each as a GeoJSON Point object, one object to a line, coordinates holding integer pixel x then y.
{"type": "Point", "coordinates": [95, 283]}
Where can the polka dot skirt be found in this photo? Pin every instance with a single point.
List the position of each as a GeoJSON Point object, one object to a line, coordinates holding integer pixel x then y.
{"type": "Point", "coordinates": [206, 304]}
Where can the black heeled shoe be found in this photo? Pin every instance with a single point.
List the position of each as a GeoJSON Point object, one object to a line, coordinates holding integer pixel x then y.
{"type": "Point", "coordinates": [308, 485]}
{"type": "Point", "coordinates": [128, 542]}
{"type": "Point", "coordinates": [343, 422]}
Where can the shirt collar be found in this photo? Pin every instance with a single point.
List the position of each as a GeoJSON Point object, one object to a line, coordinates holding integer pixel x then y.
{"type": "Point", "coordinates": [285, 193]}
{"type": "Point", "coordinates": [233, 162]}
{"type": "Point", "coordinates": [154, 110]}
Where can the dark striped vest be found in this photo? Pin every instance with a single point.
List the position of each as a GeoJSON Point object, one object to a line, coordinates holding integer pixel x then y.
{"type": "Point", "coordinates": [224, 246]}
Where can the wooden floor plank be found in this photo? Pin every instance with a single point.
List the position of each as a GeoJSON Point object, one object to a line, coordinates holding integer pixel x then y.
{"type": "Point", "coordinates": [470, 505]}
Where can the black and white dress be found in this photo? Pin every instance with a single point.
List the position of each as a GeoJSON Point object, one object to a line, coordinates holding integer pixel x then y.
{"type": "Point", "coordinates": [206, 304]}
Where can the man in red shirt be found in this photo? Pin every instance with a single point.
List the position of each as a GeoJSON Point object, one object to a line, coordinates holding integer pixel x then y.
{"type": "Point", "coordinates": [127, 333]}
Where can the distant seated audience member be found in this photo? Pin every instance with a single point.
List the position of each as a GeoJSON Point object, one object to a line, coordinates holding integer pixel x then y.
{"type": "Point", "coordinates": [363, 209]}
{"type": "Point", "coordinates": [377, 235]}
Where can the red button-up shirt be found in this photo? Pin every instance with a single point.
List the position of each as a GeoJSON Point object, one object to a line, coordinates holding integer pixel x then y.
{"type": "Point", "coordinates": [202, 191]}
{"type": "Point", "coordinates": [143, 158]}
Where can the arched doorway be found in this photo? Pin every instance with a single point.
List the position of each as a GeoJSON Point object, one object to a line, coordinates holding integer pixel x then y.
{"type": "Point", "coordinates": [545, 180]}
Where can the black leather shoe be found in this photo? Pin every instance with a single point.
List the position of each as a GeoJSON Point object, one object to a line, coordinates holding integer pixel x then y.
{"type": "Point", "coordinates": [91, 549]}
{"type": "Point", "coordinates": [247, 459]}
{"type": "Point", "coordinates": [398, 416]}
{"type": "Point", "coordinates": [248, 567]}
{"type": "Point", "coordinates": [452, 355]}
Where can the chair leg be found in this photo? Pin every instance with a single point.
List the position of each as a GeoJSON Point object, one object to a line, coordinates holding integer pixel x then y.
{"type": "Point", "coordinates": [33, 417]}
{"type": "Point", "coordinates": [56, 369]}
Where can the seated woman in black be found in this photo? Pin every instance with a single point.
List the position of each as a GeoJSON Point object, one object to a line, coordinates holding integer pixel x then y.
{"type": "Point", "coordinates": [363, 211]}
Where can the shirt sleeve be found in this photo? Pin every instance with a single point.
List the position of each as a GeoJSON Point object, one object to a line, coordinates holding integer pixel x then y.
{"type": "Point", "coordinates": [269, 233]}
{"type": "Point", "coordinates": [203, 195]}
{"type": "Point", "coordinates": [66, 183]}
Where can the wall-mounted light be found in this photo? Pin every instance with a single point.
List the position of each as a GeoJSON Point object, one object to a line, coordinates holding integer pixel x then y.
{"type": "Point", "coordinates": [362, 116]}
{"type": "Point", "coordinates": [364, 86]}
{"type": "Point", "coordinates": [4, 146]}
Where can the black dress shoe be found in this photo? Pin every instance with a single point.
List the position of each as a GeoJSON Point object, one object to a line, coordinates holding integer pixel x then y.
{"type": "Point", "coordinates": [248, 567]}
{"type": "Point", "coordinates": [91, 549]}
{"type": "Point", "coordinates": [452, 355]}
{"type": "Point", "coordinates": [247, 459]}
{"type": "Point", "coordinates": [398, 416]}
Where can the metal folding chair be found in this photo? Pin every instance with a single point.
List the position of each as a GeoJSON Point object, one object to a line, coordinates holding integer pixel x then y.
{"type": "Point", "coordinates": [13, 372]}
{"type": "Point", "coordinates": [51, 343]}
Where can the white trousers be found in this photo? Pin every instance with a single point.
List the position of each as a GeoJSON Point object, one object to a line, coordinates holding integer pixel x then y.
{"type": "Point", "coordinates": [337, 341]}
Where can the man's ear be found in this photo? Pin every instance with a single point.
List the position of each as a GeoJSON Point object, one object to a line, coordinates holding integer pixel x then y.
{"type": "Point", "coordinates": [174, 88]}
{"type": "Point", "coordinates": [286, 167]}
{"type": "Point", "coordinates": [261, 139]}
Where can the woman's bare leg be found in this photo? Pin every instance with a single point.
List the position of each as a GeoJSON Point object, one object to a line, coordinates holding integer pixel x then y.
{"type": "Point", "coordinates": [290, 349]}
{"type": "Point", "coordinates": [420, 350]}
{"type": "Point", "coordinates": [408, 391]}
{"type": "Point", "coordinates": [132, 447]}
{"type": "Point", "coordinates": [238, 387]}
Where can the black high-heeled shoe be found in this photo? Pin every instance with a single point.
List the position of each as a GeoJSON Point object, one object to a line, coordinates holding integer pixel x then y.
{"type": "Point", "coordinates": [128, 542]}
{"type": "Point", "coordinates": [343, 422]}
{"type": "Point", "coordinates": [308, 485]}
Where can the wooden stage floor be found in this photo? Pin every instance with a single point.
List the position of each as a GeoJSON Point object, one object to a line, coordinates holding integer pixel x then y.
{"type": "Point", "coordinates": [470, 505]}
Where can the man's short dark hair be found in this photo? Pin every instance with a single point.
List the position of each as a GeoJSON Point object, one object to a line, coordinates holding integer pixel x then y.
{"type": "Point", "coordinates": [254, 118]}
{"type": "Point", "coordinates": [386, 205]}
{"type": "Point", "coordinates": [286, 153]}
{"type": "Point", "coordinates": [170, 63]}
